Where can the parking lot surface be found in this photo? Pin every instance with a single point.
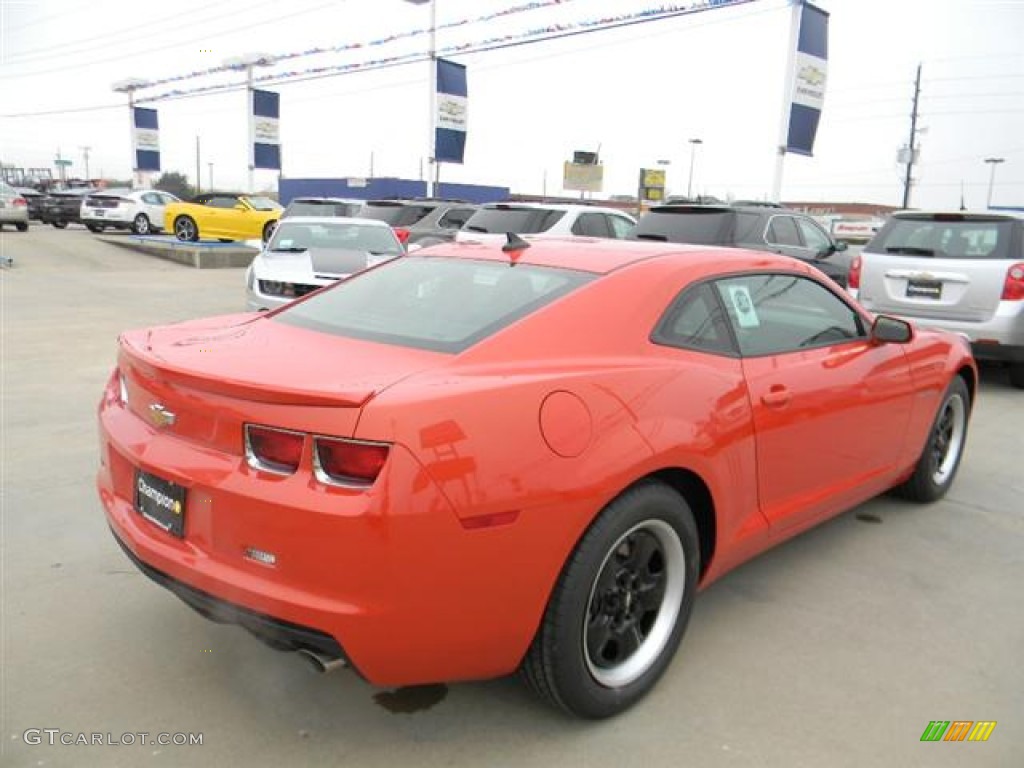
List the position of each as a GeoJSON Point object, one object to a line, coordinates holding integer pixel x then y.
{"type": "Point", "coordinates": [835, 649]}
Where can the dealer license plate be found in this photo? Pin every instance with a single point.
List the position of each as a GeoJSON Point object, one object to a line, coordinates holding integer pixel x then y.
{"type": "Point", "coordinates": [924, 289]}
{"type": "Point", "coordinates": [161, 502]}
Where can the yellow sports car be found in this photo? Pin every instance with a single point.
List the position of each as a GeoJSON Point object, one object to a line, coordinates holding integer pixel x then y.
{"type": "Point", "coordinates": [221, 216]}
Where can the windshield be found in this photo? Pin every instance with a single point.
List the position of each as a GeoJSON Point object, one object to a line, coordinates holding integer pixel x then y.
{"type": "Point", "coordinates": [521, 221]}
{"type": "Point", "coordinates": [947, 236]}
{"type": "Point", "coordinates": [335, 235]}
{"type": "Point", "coordinates": [263, 204]}
{"type": "Point", "coordinates": [436, 303]}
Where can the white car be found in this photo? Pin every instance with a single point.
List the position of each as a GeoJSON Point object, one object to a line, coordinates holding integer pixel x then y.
{"type": "Point", "coordinates": [308, 252]}
{"type": "Point", "coordinates": [494, 220]}
{"type": "Point", "coordinates": [140, 210]}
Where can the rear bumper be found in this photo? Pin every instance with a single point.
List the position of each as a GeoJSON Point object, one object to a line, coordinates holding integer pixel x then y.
{"type": "Point", "coordinates": [109, 218]}
{"type": "Point", "coordinates": [389, 575]}
{"type": "Point", "coordinates": [281, 635]}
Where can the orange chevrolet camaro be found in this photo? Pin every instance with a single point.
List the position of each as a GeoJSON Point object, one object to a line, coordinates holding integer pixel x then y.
{"type": "Point", "coordinates": [482, 458]}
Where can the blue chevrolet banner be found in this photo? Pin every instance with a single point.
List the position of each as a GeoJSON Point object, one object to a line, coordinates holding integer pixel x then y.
{"type": "Point", "coordinates": [146, 139]}
{"type": "Point", "coordinates": [809, 75]}
{"type": "Point", "coordinates": [264, 130]}
{"type": "Point", "coordinates": [450, 125]}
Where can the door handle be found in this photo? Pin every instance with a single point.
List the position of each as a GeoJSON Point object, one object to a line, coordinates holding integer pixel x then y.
{"type": "Point", "coordinates": [776, 397]}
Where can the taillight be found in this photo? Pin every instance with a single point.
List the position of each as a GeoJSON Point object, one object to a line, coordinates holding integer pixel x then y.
{"type": "Point", "coordinates": [347, 462]}
{"type": "Point", "coordinates": [853, 278]}
{"type": "Point", "coordinates": [402, 234]}
{"type": "Point", "coordinates": [1013, 288]}
{"type": "Point", "coordinates": [273, 450]}
{"type": "Point", "coordinates": [19, 202]}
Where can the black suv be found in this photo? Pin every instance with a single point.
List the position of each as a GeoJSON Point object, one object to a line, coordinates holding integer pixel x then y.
{"type": "Point", "coordinates": [752, 226]}
{"type": "Point", "coordinates": [425, 222]}
{"type": "Point", "coordinates": [63, 207]}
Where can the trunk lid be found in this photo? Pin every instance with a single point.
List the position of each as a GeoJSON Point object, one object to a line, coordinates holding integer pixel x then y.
{"type": "Point", "coordinates": [215, 375]}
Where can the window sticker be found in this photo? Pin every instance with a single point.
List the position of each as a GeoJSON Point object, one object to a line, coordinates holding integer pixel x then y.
{"type": "Point", "coordinates": [742, 302]}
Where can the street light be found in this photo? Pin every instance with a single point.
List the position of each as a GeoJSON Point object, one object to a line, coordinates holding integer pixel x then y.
{"type": "Point", "coordinates": [693, 153]}
{"type": "Point", "coordinates": [246, 63]}
{"type": "Point", "coordinates": [993, 161]}
{"type": "Point", "coordinates": [432, 103]}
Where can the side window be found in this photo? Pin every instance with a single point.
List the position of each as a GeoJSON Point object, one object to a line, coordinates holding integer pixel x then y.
{"type": "Point", "coordinates": [222, 202]}
{"type": "Point", "coordinates": [152, 198]}
{"type": "Point", "coordinates": [695, 321]}
{"type": "Point", "coordinates": [814, 238]}
{"type": "Point", "coordinates": [778, 313]}
{"type": "Point", "coordinates": [167, 199]}
{"type": "Point", "coordinates": [591, 225]}
{"type": "Point", "coordinates": [455, 218]}
{"type": "Point", "coordinates": [782, 231]}
{"type": "Point", "coordinates": [620, 226]}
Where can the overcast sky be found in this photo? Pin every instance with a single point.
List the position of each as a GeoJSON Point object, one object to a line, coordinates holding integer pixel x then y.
{"type": "Point", "coordinates": [639, 93]}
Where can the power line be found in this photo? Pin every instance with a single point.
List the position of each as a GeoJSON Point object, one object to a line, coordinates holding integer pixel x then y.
{"type": "Point", "coordinates": [79, 65]}
{"type": "Point", "coordinates": [74, 47]}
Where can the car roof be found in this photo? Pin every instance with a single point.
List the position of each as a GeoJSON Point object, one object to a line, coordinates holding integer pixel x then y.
{"type": "Point", "coordinates": [568, 207]}
{"type": "Point", "coordinates": [315, 199]}
{"type": "Point", "coordinates": [334, 221]}
{"type": "Point", "coordinates": [961, 215]}
{"type": "Point", "coordinates": [602, 255]}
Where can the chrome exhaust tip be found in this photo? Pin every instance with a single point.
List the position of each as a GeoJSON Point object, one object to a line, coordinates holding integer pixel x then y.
{"type": "Point", "coordinates": [323, 664]}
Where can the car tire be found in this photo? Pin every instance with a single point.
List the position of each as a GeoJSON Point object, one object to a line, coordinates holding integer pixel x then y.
{"type": "Point", "coordinates": [21, 227]}
{"type": "Point", "coordinates": [940, 459]}
{"type": "Point", "coordinates": [94, 228]}
{"type": "Point", "coordinates": [60, 224]}
{"type": "Point", "coordinates": [1017, 375]}
{"type": "Point", "coordinates": [630, 580]}
{"type": "Point", "coordinates": [185, 229]}
{"type": "Point", "coordinates": [141, 226]}
{"type": "Point", "coordinates": [268, 231]}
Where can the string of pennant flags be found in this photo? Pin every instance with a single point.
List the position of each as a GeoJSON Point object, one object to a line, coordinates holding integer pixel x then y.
{"type": "Point", "coordinates": [346, 47]}
{"type": "Point", "coordinates": [532, 35]}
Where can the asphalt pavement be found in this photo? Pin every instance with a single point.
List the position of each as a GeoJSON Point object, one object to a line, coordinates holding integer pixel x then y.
{"type": "Point", "coordinates": [837, 648]}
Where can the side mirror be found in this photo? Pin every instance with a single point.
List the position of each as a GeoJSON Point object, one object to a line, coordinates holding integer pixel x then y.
{"type": "Point", "coordinates": [891, 330]}
{"type": "Point", "coordinates": [239, 207]}
{"type": "Point", "coordinates": [841, 245]}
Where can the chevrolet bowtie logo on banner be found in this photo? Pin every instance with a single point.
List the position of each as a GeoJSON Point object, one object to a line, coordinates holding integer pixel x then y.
{"type": "Point", "coordinates": [146, 139]}
{"type": "Point", "coordinates": [809, 77]}
{"type": "Point", "coordinates": [264, 134]}
{"type": "Point", "coordinates": [450, 131]}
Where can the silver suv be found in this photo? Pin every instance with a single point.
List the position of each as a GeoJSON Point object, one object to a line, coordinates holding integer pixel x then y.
{"type": "Point", "coordinates": [961, 271]}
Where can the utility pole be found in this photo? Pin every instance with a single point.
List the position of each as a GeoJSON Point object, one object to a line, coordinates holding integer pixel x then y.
{"type": "Point", "coordinates": [913, 134]}
{"type": "Point", "coordinates": [85, 161]}
{"type": "Point", "coordinates": [199, 181]}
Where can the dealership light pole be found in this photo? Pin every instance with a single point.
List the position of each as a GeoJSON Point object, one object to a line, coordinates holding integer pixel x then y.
{"type": "Point", "coordinates": [433, 172]}
{"type": "Point", "coordinates": [992, 161]}
{"type": "Point", "coordinates": [694, 143]}
{"type": "Point", "coordinates": [247, 63]}
{"type": "Point", "coordinates": [130, 86]}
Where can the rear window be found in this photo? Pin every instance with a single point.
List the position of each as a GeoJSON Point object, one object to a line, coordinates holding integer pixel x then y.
{"type": "Point", "coordinates": [945, 237]}
{"type": "Point", "coordinates": [521, 221]}
{"type": "Point", "coordinates": [400, 215]}
{"type": "Point", "coordinates": [435, 303]}
{"type": "Point", "coordinates": [684, 226]}
{"type": "Point", "coordinates": [321, 208]}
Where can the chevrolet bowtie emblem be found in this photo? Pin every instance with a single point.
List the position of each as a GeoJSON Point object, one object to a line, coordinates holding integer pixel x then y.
{"type": "Point", "coordinates": [160, 416]}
